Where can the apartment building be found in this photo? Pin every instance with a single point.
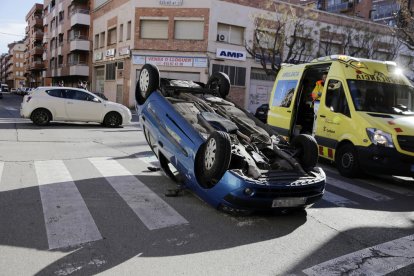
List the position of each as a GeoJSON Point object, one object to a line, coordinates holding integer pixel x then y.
{"type": "Point", "coordinates": [34, 46]}
{"type": "Point", "coordinates": [3, 61]}
{"type": "Point", "coordinates": [191, 40]}
{"type": "Point", "coordinates": [15, 70]}
{"type": "Point", "coordinates": [66, 41]}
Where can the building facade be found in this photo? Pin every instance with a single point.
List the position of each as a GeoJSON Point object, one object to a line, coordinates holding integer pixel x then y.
{"type": "Point", "coordinates": [15, 70]}
{"type": "Point", "coordinates": [191, 40]}
{"type": "Point", "coordinates": [34, 46]}
{"type": "Point", "coordinates": [3, 61]}
{"type": "Point", "coordinates": [66, 41]}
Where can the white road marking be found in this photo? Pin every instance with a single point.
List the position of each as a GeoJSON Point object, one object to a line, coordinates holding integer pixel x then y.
{"type": "Point", "coordinates": [10, 108]}
{"type": "Point", "coordinates": [1, 169]}
{"type": "Point", "coordinates": [154, 212]}
{"type": "Point", "coordinates": [385, 186]}
{"type": "Point", "coordinates": [150, 160]}
{"type": "Point", "coordinates": [67, 218]}
{"type": "Point", "coordinates": [376, 260]}
{"type": "Point", "coordinates": [357, 190]}
{"type": "Point", "coordinates": [337, 199]}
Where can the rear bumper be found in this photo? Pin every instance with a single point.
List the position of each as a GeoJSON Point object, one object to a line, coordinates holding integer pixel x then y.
{"type": "Point", "coordinates": [389, 161]}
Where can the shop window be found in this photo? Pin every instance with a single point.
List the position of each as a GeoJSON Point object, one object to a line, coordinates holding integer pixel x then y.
{"type": "Point", "coordinates": [237, 75]}
{"type": "Point", "coordinates": [154, 29]}
{"type": "Point", "coordinates": [230, 34]}
{"type": "Point", "coordinates": [110, 71]}
{"type": "Point", "coordinates": [189, 29]}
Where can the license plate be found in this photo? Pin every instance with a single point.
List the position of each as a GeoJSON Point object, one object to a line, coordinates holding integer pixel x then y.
{"type": "Point", "coordinates": [288, 202]}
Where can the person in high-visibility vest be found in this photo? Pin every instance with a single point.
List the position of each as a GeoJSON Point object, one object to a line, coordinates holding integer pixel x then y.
{"type": "Point", "coordinates": [316, 96]}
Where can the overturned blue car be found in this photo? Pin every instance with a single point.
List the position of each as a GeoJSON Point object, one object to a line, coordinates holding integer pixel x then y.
{"type": "Point", "coordinates": [220, 151]}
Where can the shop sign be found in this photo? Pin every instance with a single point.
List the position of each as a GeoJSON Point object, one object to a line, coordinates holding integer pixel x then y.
{"type": "Point", "coordinates": [171, 2]}
{"type": "Point", "coordinates": [231, 54]}
{"type": "Point", "coordinates": [123, 51]}
{"type": "Point", "coordinates": [98, 56]}
{"type": "Point", "coordinates": [171, 61]}
{"type": "Point", "coordinates": [110, 52]}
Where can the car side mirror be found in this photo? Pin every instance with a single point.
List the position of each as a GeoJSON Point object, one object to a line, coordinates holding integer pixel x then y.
{"type": "Point", "coordinates": [96, 100]}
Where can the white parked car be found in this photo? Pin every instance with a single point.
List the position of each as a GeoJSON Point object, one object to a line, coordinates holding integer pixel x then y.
{"type": "Point", "coordinates": [46, 104]}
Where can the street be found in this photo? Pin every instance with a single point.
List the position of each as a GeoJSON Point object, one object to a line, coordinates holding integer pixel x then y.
{"type": "Point", "coordinates": [79, 199]}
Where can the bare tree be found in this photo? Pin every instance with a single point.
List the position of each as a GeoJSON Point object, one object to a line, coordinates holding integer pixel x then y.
{"type": "Point", "coordinates": [280, 36]}
{"type": "Point", "coordinates": [405, 25]}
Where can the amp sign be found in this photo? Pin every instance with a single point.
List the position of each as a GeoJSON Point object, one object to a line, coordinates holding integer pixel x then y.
{"type": "Point", "coordinates": [231, 54]}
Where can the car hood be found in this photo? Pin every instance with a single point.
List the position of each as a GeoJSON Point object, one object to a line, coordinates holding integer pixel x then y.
{"type": "Point", "coordinates": [115, 105]}
{"type": "Point", "coordinates": [394, 124]}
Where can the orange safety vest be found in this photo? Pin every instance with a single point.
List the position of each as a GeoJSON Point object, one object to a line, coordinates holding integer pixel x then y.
{"type": "Point", "coordinates": [317, 91]}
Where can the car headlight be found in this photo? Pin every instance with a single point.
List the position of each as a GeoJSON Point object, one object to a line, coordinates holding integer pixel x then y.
{"type": "Point", "coordinates": [380, 138]}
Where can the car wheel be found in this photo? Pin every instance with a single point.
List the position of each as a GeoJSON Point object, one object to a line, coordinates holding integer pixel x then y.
{"type": "Point", "coordinates": [148, 81]}
{"type": "Point", "coordinates": [307, 151]}
{"type": "Point", "coordinates": [346, 160]}
{"type": "Point", "coordinates": [219, 82]}
{"type": "Point", "coordinates": [215, 159]}
{"type": "Point", "coordinates": [112, 119]}
{"type": "Point", "coordinates": [41, 117]}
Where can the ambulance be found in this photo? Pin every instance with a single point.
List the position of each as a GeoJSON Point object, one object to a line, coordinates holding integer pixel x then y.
{"type": "Point", "coordinates": [365, 119]}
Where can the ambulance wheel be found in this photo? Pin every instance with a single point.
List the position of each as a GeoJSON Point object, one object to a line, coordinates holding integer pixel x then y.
{"type": "Point", "coordinates": [148, 81]}
{"type": "Point", "coordinates": [346, 161]}
{"type": "Point", "coordinates": [307, 150]}
{"type": "Point", "coordinates": [219, 83]}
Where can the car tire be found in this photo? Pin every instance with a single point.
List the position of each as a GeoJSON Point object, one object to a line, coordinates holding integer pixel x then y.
{"type": "Point", "coordinates": [214, 159]}
{"type": "Point", "coordinates": [346, 161]}
{"type": "Point", "coordinates": [41, 117]}
{"type": "Point", "coordinates": [148, 81]}
{"type": "Point", "coordinates": [112, 119]}
{"type": "Point", "coordinates": [308, 151]}
{"type": "Point", "coordinates": [219, 82]}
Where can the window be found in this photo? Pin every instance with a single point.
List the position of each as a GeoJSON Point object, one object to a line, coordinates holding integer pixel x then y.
{"type": "Point", "coordinates": [189, 29]}
{"type": "Point", "coordinates": [335, 98]}
{"type": "Point", "coordinates": [61, 16]}
{"type": "Point", "coordinates": [284, 93]}
{"type": "Point", "coordinates": [110, 71]}
{"type": "Point", "coordinates": [230, 34]}
{"type": "Point", "coordinates": [102, 38]}
{"type": "Point", "coordinates": [237, 75]}
{"type": "Point", "coordinates": [120, 65]}
{"type": "Point", "coordinates": [77, 95]}
{"type": "Point", "coordinates": [60, 61]}
{"type": "Point", "coordinates": [121, 32]}
{"type": "Point", "coordinates": [59, 93]}
{"type": "Point", "coordinates": [128, 35]}
{"type": "Point", "coordinates": [96, 42]}
{"type": "Point", "coordinates": [112, 36]}
{"type": "Point", "coordinates": [154, 29]}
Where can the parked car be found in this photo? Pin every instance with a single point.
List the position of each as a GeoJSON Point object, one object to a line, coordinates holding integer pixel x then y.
{"type": "Point", "coordinates": [46, 104]}
{"type": "Point", "coordinates": [221, 151]}
{"type": "Point", "coordinates": [13, 90]}
{"type": "Point", "coordinates": [261, 112]}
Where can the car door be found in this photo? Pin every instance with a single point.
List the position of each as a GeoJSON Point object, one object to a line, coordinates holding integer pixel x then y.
{"type": "Point", "coordinates": [334, 117]}
{"type": "Point", "coordinates": [83, 106]}
{"type": "Point", "coordinates": [55, 101]}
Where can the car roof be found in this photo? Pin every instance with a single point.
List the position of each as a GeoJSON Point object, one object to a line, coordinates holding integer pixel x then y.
{"type": "Point", "coordinates": [62, 87]}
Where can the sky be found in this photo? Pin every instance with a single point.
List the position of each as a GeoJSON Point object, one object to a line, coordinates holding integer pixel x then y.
{"type": "Point", "coordinates": [12, 21]}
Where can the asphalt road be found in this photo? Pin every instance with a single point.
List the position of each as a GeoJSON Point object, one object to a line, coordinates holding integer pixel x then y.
{"type": "Point", "coordinates": [78, 199]}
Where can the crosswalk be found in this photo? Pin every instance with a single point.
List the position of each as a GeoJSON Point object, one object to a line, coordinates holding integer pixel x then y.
{"type": "Point", "coordinates": [69, 222]}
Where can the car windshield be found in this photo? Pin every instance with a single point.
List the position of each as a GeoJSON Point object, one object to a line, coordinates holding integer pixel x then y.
{"type": "Point", "coordinates": [380, 97]}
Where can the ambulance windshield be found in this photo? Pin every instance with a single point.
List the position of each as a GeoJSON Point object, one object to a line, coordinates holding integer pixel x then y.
{"type": "Point", "coordinates": [382, 97]}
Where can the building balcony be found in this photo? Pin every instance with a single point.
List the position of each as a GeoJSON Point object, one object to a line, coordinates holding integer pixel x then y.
{"type": "Point", "coordinates": [45, 21]}
{"type": "Point", "coordinates": [27, 29]}
{"type": "Point", "coordinates": [44, 55]}
{"type": "Point", "coordinates": [79, 70]}
{"type": "Point", "coordinates": [38, 35]}
{"type": "Point", "coordinates": [37, 65]}
{"type": "Point", "coordinates": [38, 50]}
{"type": "Point", "coordinates": [80, 17]}
{"type": "Point", "coordinates": [38, 22]}
{"type": "Point", "coordinates": [79, 45]}
{"type": "Point", "coordinates": [45, 40]}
